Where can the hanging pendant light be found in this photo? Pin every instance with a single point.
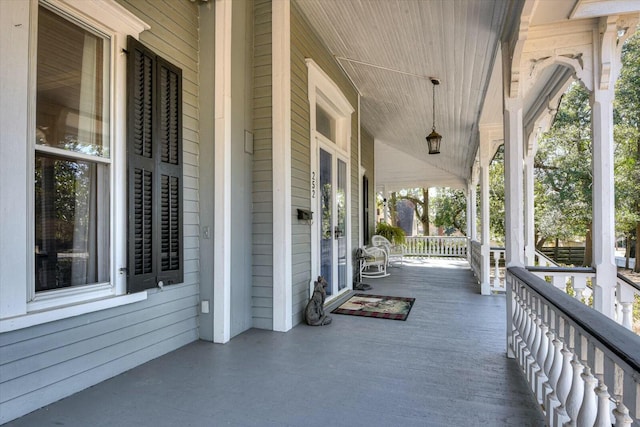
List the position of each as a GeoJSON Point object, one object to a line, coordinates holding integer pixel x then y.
{"type": "Point", "coordinates": [434, 138]}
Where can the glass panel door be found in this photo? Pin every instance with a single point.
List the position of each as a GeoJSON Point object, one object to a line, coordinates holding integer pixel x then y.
{"type": "Point", "coordinates": [333, 221]}
{"type": "Point", "coordinates": [341, 224]}
{"type": "Point", "coordinates": [326, 218]}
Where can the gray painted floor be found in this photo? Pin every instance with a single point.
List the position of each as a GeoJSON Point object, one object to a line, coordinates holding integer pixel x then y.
{"type": "Point", "coordinates": [445, 365]}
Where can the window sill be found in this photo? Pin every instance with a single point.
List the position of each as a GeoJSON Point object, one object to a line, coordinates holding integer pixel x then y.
{"type": "Point", "coordinates": [40, 317]}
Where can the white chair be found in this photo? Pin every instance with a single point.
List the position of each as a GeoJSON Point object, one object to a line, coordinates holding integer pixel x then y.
{"type": "Point", "coordinates": [373, 262]}
{"type": "Point", "coordinates": [394, 252]}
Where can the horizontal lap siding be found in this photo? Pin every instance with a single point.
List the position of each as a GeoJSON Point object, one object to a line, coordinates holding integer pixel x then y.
{"type": "Point", "coordinates": [44, 363]}
{"type": "Point", "coordinates": [305, 44]}
{"type": "Point", "coordinates": [262, 288]}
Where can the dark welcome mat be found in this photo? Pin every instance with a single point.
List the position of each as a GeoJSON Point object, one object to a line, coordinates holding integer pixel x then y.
{"type": "Point", "coordinates": [385, 307]}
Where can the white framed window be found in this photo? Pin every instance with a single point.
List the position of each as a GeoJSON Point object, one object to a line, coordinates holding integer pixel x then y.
{"type": "Point", "coordinates": [76, 155]}
{"type": "Point", "coordinates": [79, 146]}
{"type": "Point", "coordinates": [72, 158]}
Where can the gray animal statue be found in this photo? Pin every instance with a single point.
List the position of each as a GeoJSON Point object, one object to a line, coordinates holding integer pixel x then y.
{"type": "Point", "coordinates": [314, 313]}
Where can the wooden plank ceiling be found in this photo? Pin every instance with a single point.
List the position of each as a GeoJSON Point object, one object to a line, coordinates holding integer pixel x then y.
{"type": "Point", "coordinates": [390, 48]}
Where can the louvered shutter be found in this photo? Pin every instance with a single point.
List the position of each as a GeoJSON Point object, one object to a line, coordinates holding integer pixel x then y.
{"type": "Point", "coordinates": [170, 172]}
{"type": "Point", "coordinates": [154, 156]}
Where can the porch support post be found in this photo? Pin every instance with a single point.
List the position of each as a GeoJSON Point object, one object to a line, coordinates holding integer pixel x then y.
{"type": "Point", "coordinates": [471, 209]}
{"type": "Point", "coordinates": [282, 214]}
{"type": "Point", "coordinates": [603, 185]}
{"type": "Point", "coordinates": [222, 195]}
{"type": "Point", "coordinates": [529, 207]}
{"type": "Point", "coordinates": [485, 249]}
{"type": "Point", "coordinates": [513, 171]}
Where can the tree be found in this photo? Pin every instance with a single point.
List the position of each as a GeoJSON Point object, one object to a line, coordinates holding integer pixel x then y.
{"type": "Point", "coordinates": [627, 139]}
{"type": "Point", "coordinates": [420, 199]}
{"type": "Point", "coordinates": [496, 196]}
{"type": "Point", "coordinates": [563, 170]}
{"type": "Point", "coordinates": [449, 210]}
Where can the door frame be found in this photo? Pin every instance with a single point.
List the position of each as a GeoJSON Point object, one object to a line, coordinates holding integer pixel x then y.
{"type": "Point", "coordinates": [323, 92]}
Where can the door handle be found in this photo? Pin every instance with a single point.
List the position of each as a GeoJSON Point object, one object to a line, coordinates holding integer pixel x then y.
{"type": "Point", "coordinates": [337, 232]}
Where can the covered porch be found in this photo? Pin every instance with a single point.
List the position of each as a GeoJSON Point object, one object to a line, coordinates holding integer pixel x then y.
{"type": "Point", "coordinates": [445, 365]}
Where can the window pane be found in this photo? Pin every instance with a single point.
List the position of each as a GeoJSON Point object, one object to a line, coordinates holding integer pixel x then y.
{"type": "Point", "coordinates": [72, 110]}
{"type": "Point", "coordinates": [72, 222]}
{"type": "Point", "coordinates": [325, 124]}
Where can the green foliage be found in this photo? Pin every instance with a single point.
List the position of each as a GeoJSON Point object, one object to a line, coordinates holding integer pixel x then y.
{"type": "Point", "coordinates": [563, 171]}
{"type": "Point", "coordinates": [496, 197]}
{"type": "Point", "coordinates": [392, 233]}
{"type": "Point", "coordinates": [448, 207]}
{"type": "Point", "coordinates": [563, 192]}
{"type": "Point", "coordinates": [627, 141]}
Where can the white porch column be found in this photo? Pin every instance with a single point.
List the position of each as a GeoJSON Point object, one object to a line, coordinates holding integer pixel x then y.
{"type": "Point", "coordinates": [471, 210]}
{"type": "Point", "coordinates": [485, 160]}
{"type": "Point", "coordinates": [281, 68]}
{"type": "Point", "coordinates": [529, 206]}
{"type": "Point", "coordinates": [513, 185]}
{"type": "Point", "coordinates": [603, 231]}
{"type": "Point", "coordinates": [222, 195]}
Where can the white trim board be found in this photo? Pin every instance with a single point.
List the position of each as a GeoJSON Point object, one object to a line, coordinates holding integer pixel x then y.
{"type": "Point", "coordinates": [281, 143]}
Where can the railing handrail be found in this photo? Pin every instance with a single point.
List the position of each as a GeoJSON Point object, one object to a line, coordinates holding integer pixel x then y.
{"type": "Point", "coordinates": [437, 237]}
{"type": "Point", "coordinates": [616, 339]}
{"type": "Point", "coordinates": [629, 282]}
{"type": "Point", "coordinates": [542, 255]}
{"type": "Point", "coordinates": [551, 269]}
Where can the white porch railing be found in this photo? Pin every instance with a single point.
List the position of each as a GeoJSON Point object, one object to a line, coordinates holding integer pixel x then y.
{"type": "Point", "coordinates": [627, 299]}
{"type": "Point", "coordinates": [437, 246]}
{"type": "Point", "coordinates": [543, 261]}
{"type": "Point", "coordinates": [498, 283]}
{"type": "Point", "coordinates": [577, 282]}
{"type": "Point", "coordinates": [583, 368]}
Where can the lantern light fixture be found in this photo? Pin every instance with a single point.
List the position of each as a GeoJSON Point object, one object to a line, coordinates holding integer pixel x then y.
{"type": "Point", "coordinates": [434, 138]}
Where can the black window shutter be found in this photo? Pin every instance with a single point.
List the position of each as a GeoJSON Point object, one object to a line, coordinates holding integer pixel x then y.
{"type": "Point", "coordinates": [154, 165]}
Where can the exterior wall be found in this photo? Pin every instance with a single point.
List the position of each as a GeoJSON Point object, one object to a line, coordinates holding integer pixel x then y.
{"type": "Point", "coordinates": [262, 290]}
{"type": "Point", "coordinates": [366, 151]}
{"type": "Point", "coordinates": [44, 363]}
{"type": "Point", "coordinates": [305, 44]}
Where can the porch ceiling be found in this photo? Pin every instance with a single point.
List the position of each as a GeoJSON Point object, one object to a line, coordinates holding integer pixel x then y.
{"type": "Point", "coordinates": [390, 49]}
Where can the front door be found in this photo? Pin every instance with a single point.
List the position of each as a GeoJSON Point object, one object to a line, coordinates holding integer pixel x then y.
{"type": "Point", "coordinates": [333, 220]}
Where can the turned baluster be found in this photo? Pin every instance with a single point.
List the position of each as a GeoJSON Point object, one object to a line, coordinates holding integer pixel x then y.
{"type": "Point", "coordinates": [579, 285]}
{"type": "Point", "coordinates": [541, 375]}
{"type": "Point", "coordinates": [552, 401]}
{"type": "Point", "coordinates": [621, 414]}
{"type": "Point", "coordinates": [530, 338]}
{"type": "Point", "coordinates": [564, 385]}
{"type": "Point", "coordinates": [604, 412]}
{"type": "Point", "coordinates": [576, 394]}
{"type": "Point", "coordinates": [627, 309]}
{"type": "Point", "coordinates": [548, 363]}
{"type": "Point", "coordinates": [588, 409]}
{"type": "Point", "coordinates": [525, 336]}
{"type": "Point", "coordinates": [496, 278]}
{"type": "Point", "coordinates": [535, 347]}
{"type": "Point", "coordinates": [517, 320]}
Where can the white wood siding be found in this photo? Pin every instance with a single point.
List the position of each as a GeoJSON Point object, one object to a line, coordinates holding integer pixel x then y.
{"type": "Point", "coordinates": [262, 289]}
{"type": "Point", "coordinates": [44, 363]}
{"type": "Point", "coordinates": [306, 44]}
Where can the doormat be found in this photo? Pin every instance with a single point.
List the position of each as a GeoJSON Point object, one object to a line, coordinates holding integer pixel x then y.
{"type": "Point", "coordinates": [395, 308]}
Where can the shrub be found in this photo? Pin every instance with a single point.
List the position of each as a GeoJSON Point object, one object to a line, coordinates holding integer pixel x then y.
{"type": "Point", "coordinates": [393, 234]}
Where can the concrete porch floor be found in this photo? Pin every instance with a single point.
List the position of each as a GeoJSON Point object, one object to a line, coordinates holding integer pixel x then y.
{"type": "Point", "coordinates": [445, 365]}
